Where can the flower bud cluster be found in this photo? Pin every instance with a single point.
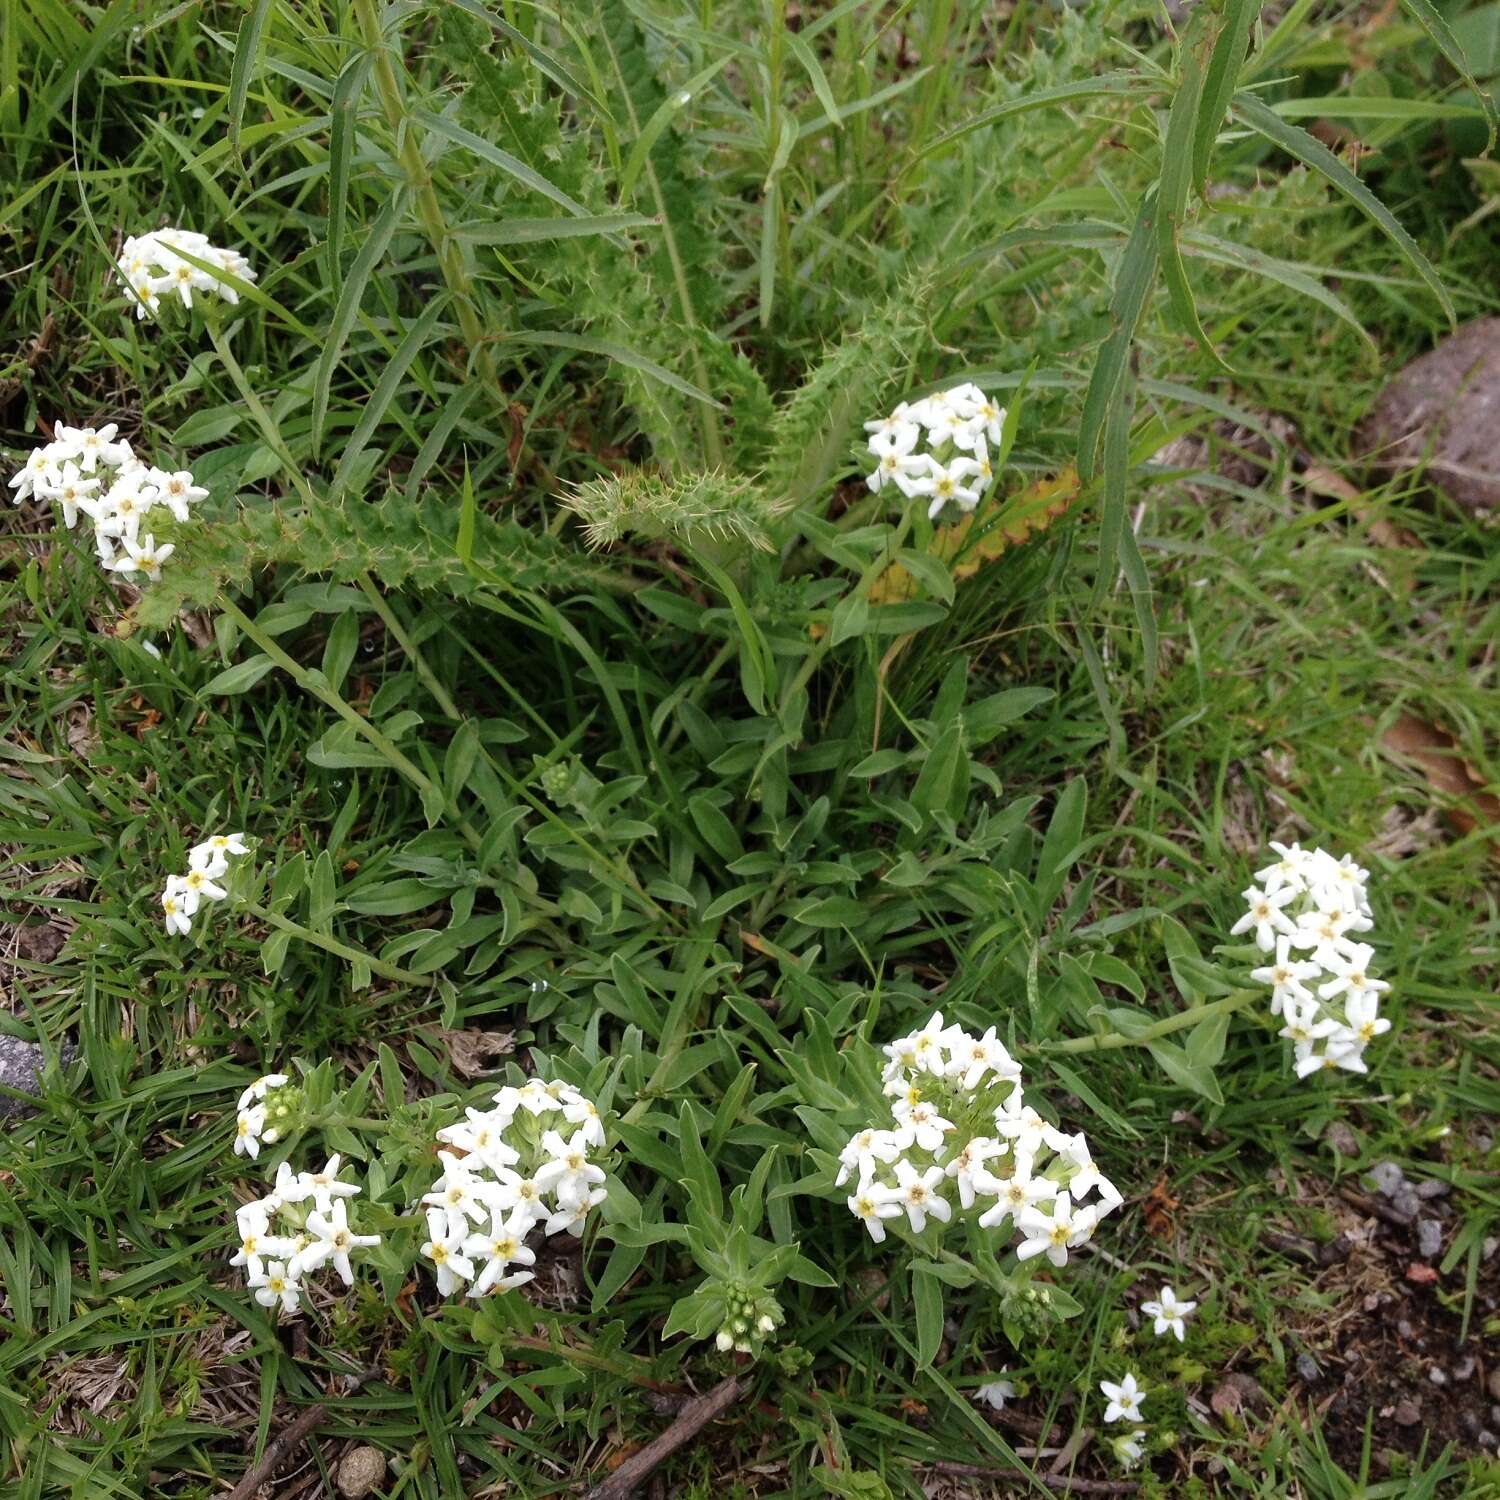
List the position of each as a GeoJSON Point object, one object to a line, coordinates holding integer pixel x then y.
{"type": "Point", "coordinates": [938, 448]}
{"type": "Point", "coordinates": [72, 470]}
{"type": "Point", "coordinates": [964, 1146]}
{"type": "Point", "coordinates": [208, 863]}
{"type": "Point", "coordinates": [299, 1226]}
{"type": "Point", "coordinates": [268, 1110]}
{"type": "Point", "coordinates": [150, 267]}
{"type": "Point", "coordinates": [751, 1315]}
{"type": "Point", "coordinates": [525, 1162]}
{"type": "Point", "coordinates": [1307, 910]}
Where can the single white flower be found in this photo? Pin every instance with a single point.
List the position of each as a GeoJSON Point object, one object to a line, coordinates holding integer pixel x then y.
{"type": "Point", "coordinates": [919, 1193]}
{"type": "Point", "coordinates": [1265, 916]}
{"type": "Point", "coordinates": [1169, 1313]}
{"type": "Point", "coordinates": [995, 1393]}
{"type": "Point", "coordinates": [1129, 1447]}
{"type": "Point", "coordinates": [1015, 1194]}
{"type": "Point", "coordinates": [248, 1126]}
{"type": "Point", "coordinates": [872, 1204]}
{"type": "Point", "coordinates": [1124, 1399]}
{"type": "Point", "coordinates": [458, 1193]}
{"type": "Point", "coordinates": [276, 1285]}
{"type": "Point", "coordinates": [1361, 1012]}
{"type": "Point", "coordinates": [967, 1168]}
{"type": "Point", "coordinates": [177, 920]}
{"type": "Point", "coordinates": [1054, 1234]}
{"type": "Point", "coordinates": [1287, 976]}
{"type": "Point", "coordinates": [567, 1173]}
{"type": "Point", "coordinates": [143, 557]}
{"type": "Point", "coordinates": [445, 1249]}
{"type": "Point", "coordinates": [866, 1148]}
{"type": "Point", "coordinates": [332, 1241]}
{"type": "Point", "coordinates": [570, 1217]}
{"type": "Point", "coordinates": [201, 884]}
{"type": "Point", "coordinates": [258, 1239]}
{"type": "Point", "coordinates": [481, 1135]}
{"type": "Point", "coordinates": [500, 1245]}
{"type": "Point", "coordinates": [944, 484]}
{"type": "Point", "coordinates": [324, 1187]}
{"type": "Point", "coordinates": [1351, 974]}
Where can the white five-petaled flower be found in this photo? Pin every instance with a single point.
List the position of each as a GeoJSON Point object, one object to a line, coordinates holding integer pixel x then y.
{"type": "Point", "coordinates": [248, 1126]}
{"type": "Point", "coordinates": [919, 1194]}
{"type": "Point", "coordinates": [332, 1241]}
{"type": "Point", "coordinates": [872, 1205]}
{"type": "Point", "coordinates": [944, 484]}
{"type": "Point", "coordinates": [275, 1285]}
{"type": "Point", "coordinates": [568, 1172]}
{"type": "Point", "coordinates": [1287, 976]}
{"type": "Point", "coordinates": [143, 556]}
{"type": "Point", "coordinates": [1124, 1399]}
{"type": "Point", "coordinates": [501, 1244]}
{"type": "Point", "coordinates": [176, 917]}
{"type": "Point", "coordinates": [1054, 1234]}
{"type": "Point", "coordinates": [445, 1249]}
{"type": "Point", "coordinates": [1169, 1313]}
{"type": "Point", "coordinates": [1129, 1447]}
{"type": "Point", "coordinates": [995, 1393]}
{"type": "Point", "coordinates": [1265, 917]}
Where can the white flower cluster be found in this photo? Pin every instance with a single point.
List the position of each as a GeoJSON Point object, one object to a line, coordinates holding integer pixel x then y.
{"type": "Point", "coordinates": [1307, 910]}
{"type": "Point", "coordinates": [521, 1164]}
{"type": "Point", "coordinates": [150, 266]}
{"type": "Point", "coordinates": [258, 1117]}
{"type": "Point", "coordinates": [963, 1137]}
{"type": "Point", "coordinates": [72, 469]}
{"type": "Point", "coordinates": [301, 1224]}
{"type": "Point", "coordinates": [208, 862]}
{"type": "Point", "coordinates": [956, 426]}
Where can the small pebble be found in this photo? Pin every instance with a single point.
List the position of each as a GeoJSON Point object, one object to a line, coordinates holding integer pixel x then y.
{"type": "Point", "coordinates": [1487, 1439]}
{"type": "Point", "coordinates": [1491, 1244]}
{"type": "Point", "coordinates": [360, 1471]}
{"type": "Point", "coordinates": [1429, 1237]}
{"type": "Point", "coordinates": [1434, 1187]}
{"type": "Point", "coordinates": [1406, 1203]}
{"type": "Point", "coordinates": [1385, 1177]}
{"type": "Point", "coordinates": [1307, 1367]}
{"type": "Point", "coordinates": [1492, 1385]}
{"type": "Point", "coordinates": [1407, 1414]}
{"type": "Point", "coordinates": [1437, 1375]}
{"type": "Point", "coordinates": [1342, 1138]}
{"type": "Point", "coordinates": [1464, 1368]}
{"type": "Point", "coordinates": [1404, 1328]}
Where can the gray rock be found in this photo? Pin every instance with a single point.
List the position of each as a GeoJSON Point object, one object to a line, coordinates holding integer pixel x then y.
{"type": "Point", "coordinates": [1406, 1203]}
{"type": "Point", "coordinates": [1434, 1187]}
{"type": "Point", "coordinates": [360, 1471]}
{"type": "Point", "coordinates": [1307, 1367]}
{"type": "Point", "coordinates": [1429, 1237]}
{"type": "Point", "coordinates": [21, 1064]}
{"type": "Point", "coordinates": [1386, 1177]}
{"type": "Point", "coordinates": [1443, 411]}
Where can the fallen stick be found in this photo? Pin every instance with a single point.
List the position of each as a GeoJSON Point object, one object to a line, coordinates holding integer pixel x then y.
{"type": "Point", "coordinates": [688, 1423]}
{"type": "Point", "coordinates": [281, 1447]}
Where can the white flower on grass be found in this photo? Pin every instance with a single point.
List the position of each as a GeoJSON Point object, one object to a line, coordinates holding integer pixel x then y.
{"type": "Point", "coordinates": [920, 1195]}
{"type": "Point", "coordinates": [507, 1168]}
{"type": "Point", "coordinates": [1265, 916]}
{"type": "Point", "coordinates": [1330, 998]}
{"type": "Point", "coordinates": [248, 1127]}
{"type": "Point", "coordinates": [258, 1239]}
{"type": "Point", "coordinates": [934, 447]}
{"type": "Point", "coordinates": [208, 862]}
{"type": "Point", "coordinates": [872, 1205]}
{"type": "Point", "coordinates": [92, 446]}
{"type": "Point", "coordinates": [177, 919]}
{"type": "Point", "coordinates": [38, 477]}
{"type": "Point", "coordinates": [941, 1082]}
{"type": "Point", "coordinates": [567, 1173]}
{"type": "Point", "coordinates": [501, 1245]}
{"type": "Point", "coordinates": [1124, 1399]}
{"type": "Point", "coordinates": [324, 1187]}
{"type": "Point", "coordinates": [74, 490]}
{"type": "Point", "coordinates": [995, 1393]}
{"type": "Point", "coordinates": [151, 264]}
{"type": "Point", "coordinates": [276, 1286]}
{"type": "Point", "coordinates": [1287, 977]}
{"type": "Point", "coordinates": [142, 556]}
{"type": "Point", "coordinates": [332, 1241]}
{"type": "Point", "coordinates": [1054, 1234]}
{"type": "Point", "coordinates": [445, 1249]}
{"type": "Point", "coordinates": [1169, 1312]}
{"type": "Point", "coordinates": [1130, 1447]}
{"type": "Point", "coordinates": [944, 485]}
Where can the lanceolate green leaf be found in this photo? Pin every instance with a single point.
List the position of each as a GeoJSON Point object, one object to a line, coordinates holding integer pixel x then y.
{"type": "Point", "coordinates": [1220, 82]}
{"type": "Point", "coordinates": [1134, 277]}
{"type": "Point", "coordinates": [246, 55]}
{"type": "Point", "coordinates": [371, 253]}
{"type": "Point", "coordinates": [1427, 16]}
{"type": "Point", "coordinates": [1296, 142]}
{"type": "Point", "coordinates": [487, 151]}
{"type": "Point", "coordinates": [1176, 178]}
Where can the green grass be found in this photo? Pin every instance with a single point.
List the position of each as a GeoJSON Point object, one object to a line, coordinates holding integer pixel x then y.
{"type": "Point", "coordinates": [622, 814]}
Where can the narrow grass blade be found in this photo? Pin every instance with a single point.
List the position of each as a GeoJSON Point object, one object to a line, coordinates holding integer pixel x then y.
{"type": "Point", "coordinates": [246, 54]}
{"type": "Point", "coordinates": [1176, 180]}
{"type": "Point", "coordinates": [1134, 278]}
{"type": "Point", "coordinates": [1264, 121]}
{"type": "Point", "coordinates": [544, 60]}
{"type": "Point", "coordinates": [1427, 16]}
{"type": "Point", "coordinates": [616, 352]}
{"type": "Point", "coordinates": [343, 114]}
{"type": "Point", "coordinates": [386, 390]}
{"type": "Point", "coordinates": [371, 253]}
{"type": "Point", "coordinates": [487, 151]}
{"type": "Point", "coordinates": [1220, 82]}
{"type": "Point", "coordinates": [540, 231]}
{"type": "Point", "coordinates": [670, 107]}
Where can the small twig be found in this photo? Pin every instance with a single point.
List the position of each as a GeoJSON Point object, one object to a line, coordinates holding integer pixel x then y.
{"type": "Point", "coordinates": [280, 1448]}
{"type": "Point", "coordinates": [1392, 1216]}
{"type": "Point", "coordinates": [1067, 1455]}
{"type": "Point", "coordinates": [690, 1421]}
